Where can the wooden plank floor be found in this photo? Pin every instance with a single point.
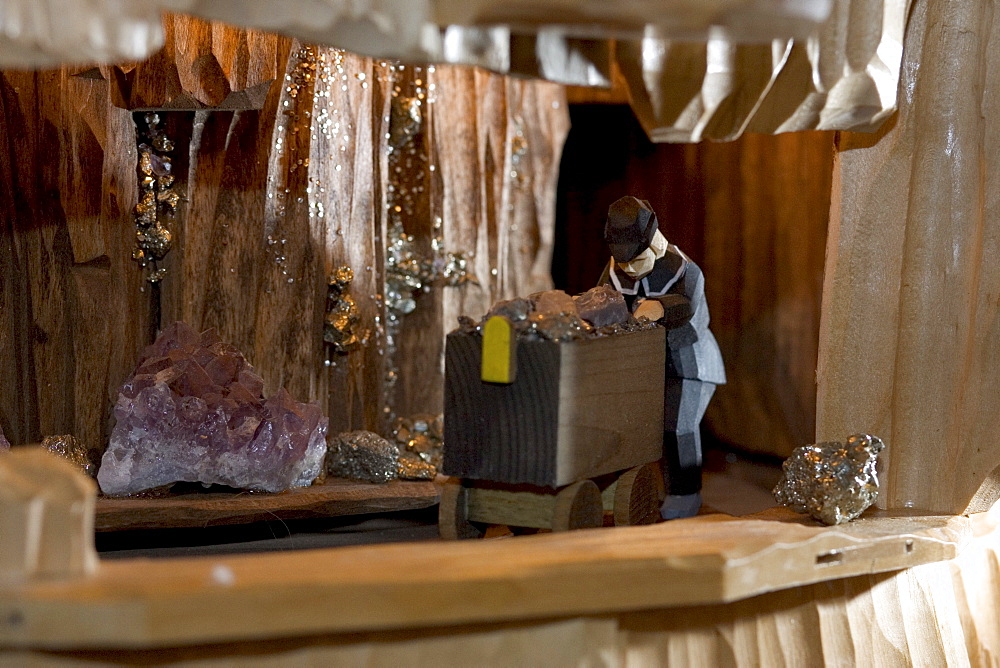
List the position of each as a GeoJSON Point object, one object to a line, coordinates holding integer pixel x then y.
{"type": "Point", "coordinates": [333, 498]}
{"type": "Point", "coordinates": [707, 559]}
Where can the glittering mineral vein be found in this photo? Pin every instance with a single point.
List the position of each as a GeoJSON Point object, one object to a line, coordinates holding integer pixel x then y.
{"type": "Point", "coordinates": [408, 270]}
{"type": "Point", "coordinates": [309, 69]}
{"type": "Point", "coordinates": [341, 315]}
{"type": "Point", "coordinates": [74, 451]}
{"type": "Point", "coordinates": [518, 154]}
{"type": "Point", "coordinates": [157, 200]}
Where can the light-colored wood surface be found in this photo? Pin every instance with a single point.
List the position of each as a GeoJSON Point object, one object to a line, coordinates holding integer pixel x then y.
{"type": "Point", "coordinates": [707, 559]}
{"type": "Point", "coordinates": [511, 508]}
{"type": "Point", "coordinates": [910, 331]}
{"type": "Point", "coordinates": [46, 518]}
{"type": "Point", "coordinates": [332, 498]}
{"type": "Point", "coordinates": [940, 614]}
{"type": "Point", "coordinates": [576, 506]}
{"type": "Point", "coordinates": [936, 614]}
{"type": "Point", "coordinates": [843, 77]}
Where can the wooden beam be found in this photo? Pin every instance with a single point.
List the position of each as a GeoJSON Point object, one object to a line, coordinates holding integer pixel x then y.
{"type": "Point", "coordinates": [334, 498]}
{"type": "Point", "coordinates": [701, 560]}
{"type": "Point", "coordinates": [909, 337]}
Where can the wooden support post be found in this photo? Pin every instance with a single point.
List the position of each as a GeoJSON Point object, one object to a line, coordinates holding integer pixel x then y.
{"type": "Point", "coordinates": [910, 333]}
{"type": "Point", "coordinates": [46, 517]}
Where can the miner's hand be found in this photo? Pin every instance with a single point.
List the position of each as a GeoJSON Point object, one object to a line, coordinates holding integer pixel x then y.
{"type": "Point", "coordinates": [649, 308]}
{"type": "Point", "coordinates": [676, 310]}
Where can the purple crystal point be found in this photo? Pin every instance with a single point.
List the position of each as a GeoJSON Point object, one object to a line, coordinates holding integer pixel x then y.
{"type": "Point", "coordinates": [4, 443]}
{"type": "Point", "coordinates": [195, 411]}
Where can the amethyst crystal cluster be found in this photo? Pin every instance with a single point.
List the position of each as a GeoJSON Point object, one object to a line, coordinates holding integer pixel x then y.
{"type": "Point", "coordinates": [195, 411]}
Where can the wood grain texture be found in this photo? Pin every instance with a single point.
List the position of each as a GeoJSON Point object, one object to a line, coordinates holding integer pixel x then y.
{"type": "Point", "coordinates": [697, 561]}
{"type": "Point", "coordinates": [937, 614]}
{"type": "Point", "coordinates": [453, 512]}
{"type": "Point", "coordinates": [931, 615]}
{"type": "Point", "coordinates": [505, 433]}
{"type": "Point", "coordinates": [347, 208]}
{"type": "Point", "coordinates": [909, 335]}
{"type": "Point", "coordinates": [578, 506]}
{"type": "Point", "coordinates": [73, 316]}
{"type": "Point", "coordinates": [551, 426]}
{"type": "Point", "coordinates": [842, 77]}
{"type": "Point", "coordinates": [202, 65]}
{"type": "Point", "coordinates": [766, 203]}
{"type": "Point", "coordinates": [520, 508]}
{"type": "Point", "coordinates": [490, 151]}
{"type": "Point", "coordinates": [280, 198]}
{"type": "Point", "coordinates": [570, 642]}
{"type": "Point", "coordinates": [333, 498]}
{"type": "Point", "coordinates": [276, 195]}
{"type": "Point", "coordinates": [637, 496]}
{"type": "Point", "coordinates": [610, 404]}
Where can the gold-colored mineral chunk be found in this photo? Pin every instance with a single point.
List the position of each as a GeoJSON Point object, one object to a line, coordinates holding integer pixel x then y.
{"type": "Point", "coordinates": [341, 313]}
{"type": "Point", "coordinates": [834, 482]}
{"type": "Point", "coordinates": [74, 451]}
{"type": "Point", "coordinates": [412, 467]}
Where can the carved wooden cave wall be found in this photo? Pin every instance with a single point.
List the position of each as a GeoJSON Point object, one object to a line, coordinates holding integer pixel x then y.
{"type": "Point", "coordinates": [284, 177]}
{"type": "Point", "coordinates": [266, 152]}
{"type": "Point", "coordinates": [295, 150]}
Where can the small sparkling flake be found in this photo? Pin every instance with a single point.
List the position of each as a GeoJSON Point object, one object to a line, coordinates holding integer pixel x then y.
{"type": "Point", "coordinates": [518, 154]}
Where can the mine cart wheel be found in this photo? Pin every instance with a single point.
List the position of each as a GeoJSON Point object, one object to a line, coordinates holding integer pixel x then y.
{"type": "Point", "coordinates": [578, 506]}
{"type": "Point", "coordinates": [453, 512]}
{"type": "Point", "coordinates": [637, 496]}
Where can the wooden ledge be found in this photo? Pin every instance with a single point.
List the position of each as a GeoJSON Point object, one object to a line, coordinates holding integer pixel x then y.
{"type": "Point", "coordinates": [706, 559]}
{"type": "Point", "coordinates": [333, 498]}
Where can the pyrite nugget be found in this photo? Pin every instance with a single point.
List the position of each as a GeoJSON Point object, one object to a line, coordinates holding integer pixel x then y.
{"type": "Point", "coordinates": [833, 481]}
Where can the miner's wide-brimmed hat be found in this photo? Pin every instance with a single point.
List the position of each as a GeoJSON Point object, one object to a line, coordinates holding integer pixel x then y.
{"type": "Point", "coordinates": [630, 228]}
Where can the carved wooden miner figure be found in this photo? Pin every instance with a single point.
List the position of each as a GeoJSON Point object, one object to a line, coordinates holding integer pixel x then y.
{"type": "Point", "coordinates": [662, 283]}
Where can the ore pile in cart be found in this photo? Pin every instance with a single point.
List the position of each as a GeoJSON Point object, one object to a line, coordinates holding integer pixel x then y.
{"type": "Point", "coordinates": [553, 415]}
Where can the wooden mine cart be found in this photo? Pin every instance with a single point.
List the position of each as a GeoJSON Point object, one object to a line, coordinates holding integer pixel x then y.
{"type": "Point", "coordinates": [561, 433]}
